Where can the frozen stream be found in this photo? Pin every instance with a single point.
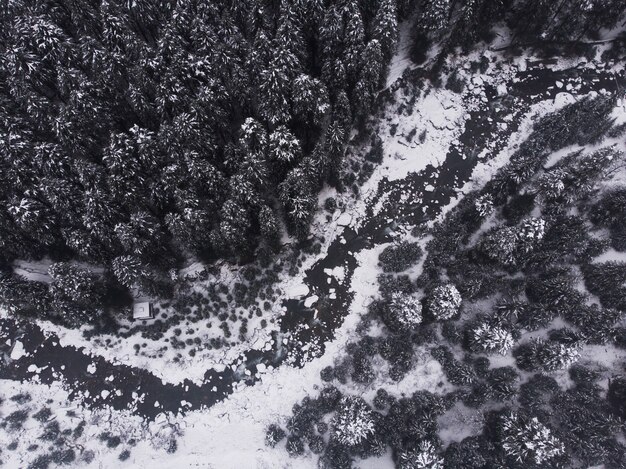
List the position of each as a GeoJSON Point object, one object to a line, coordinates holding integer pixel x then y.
{"type": "Point", "coordinates": [98, 382]}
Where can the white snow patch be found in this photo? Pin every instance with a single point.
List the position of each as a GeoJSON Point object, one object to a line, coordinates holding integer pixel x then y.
{"type": "Point", "coordinates": [18, 350]}
{"type": "Point", "coordinates": [310, 301]}
{"type": "Point", "coordinates": [344, 219]}
{"type": "Point", "coordinates": [298, 290]}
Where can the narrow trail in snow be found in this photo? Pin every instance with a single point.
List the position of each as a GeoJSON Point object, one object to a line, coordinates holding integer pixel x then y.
{"type": "Point", "coordinates": [124, 387]}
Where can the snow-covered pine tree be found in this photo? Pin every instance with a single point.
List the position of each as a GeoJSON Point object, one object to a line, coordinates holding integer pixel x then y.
{"type": "Point", "coordinates": [284, 147]}
{"type": "Point", "coordinates": [371, 71]}
{"type": "Point", "coordinates": [274, 87]}
{"type": "Point", "coordinates": [268, 224]}
{"type": "Point", "coordinates": [100, 216]}
{"type": "Point", "coordinates": [20, 296]}
{"type": "Point", "coordinates": [235, 224]}
{"type": "Point", "coordinates": [484, 205]}
{"type": "Point", "coordinates": [353, 422]}
{"type": "Point", "coordinates": [142, 235]}
{"type": "Point", "coordinates": [296, 195]}
{"type": "Point", "coordinates": [531, 231]}
{"type": "Point", "coordinates": [335, 141]}
{"type": "Point", "coordinates": [405, 310]}
{"type": "Point", "coordinates": [386, 27]}
{"type": "Point", "coordinates": [500, 245]}
{"type": "Point", "coordinates": [491, 339]}
{"type": "Point", "coordinates": [342, 110]}
{"type": "Point", "coordinates": [436, 15]}
{"type": "Point", "coordinates": [527, 440]}
{"type": "Point", "coordinates": [553, 356]}
{"type": "Point", "coordinates": [444, 302]}
{"type": "Point", "coordinates": [85, 245]}
{"type": "Point", "coordinates": [549, 356]}
{"type": "Point", "coordinates": [353, 39]}
{"type": "Point", "coordinates": [130, 271]}
{"type": "Point", "coordinates": [550, 185]}
{"type": "Point", "coordinates": [424, 456]}
{"type": "Point", "coordinates": [32, 216]}
{"type": "Point", "coordinates": [74, 284]}
{"type": "Point", "coordinates": [309, 99]}
{"type": "Point", "coordinates": [273, 435]}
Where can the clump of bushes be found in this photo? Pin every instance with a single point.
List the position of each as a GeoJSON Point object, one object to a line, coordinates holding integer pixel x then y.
{"type": "Point", "coordinates": [399, 257]}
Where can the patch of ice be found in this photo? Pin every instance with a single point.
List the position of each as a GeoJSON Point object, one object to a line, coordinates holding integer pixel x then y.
{"type": "Point", "coordinates": [344, 219]}
{"type": "Point", "coordinates": [18, 351]}
{"type": "Point", "coordinates": [338, 273]}
{"type": "Point", "coordinates": [310, 301]}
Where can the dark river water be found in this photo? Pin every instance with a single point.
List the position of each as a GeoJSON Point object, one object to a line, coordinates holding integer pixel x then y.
{"type": "Point", "coordinates": [146, 395]}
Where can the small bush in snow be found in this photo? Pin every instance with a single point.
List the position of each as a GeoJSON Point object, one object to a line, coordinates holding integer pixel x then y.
{"type": "Point", "coordinates": [491, 339]}
{"type": "Point", "coordinates": [423, 457]}
{"type": "Point", "coordinates": [16, 419]}
{"type": "Point", "coordinates": [354, 421]}
{"type": "Point", "coordinates": [295, 446]}
{"type": "Point", "coordinates": [527, 439]}
{"type": "Point", "coordinates": [444, 302]}
{"type": "Point", "coordinates": [274, 435]}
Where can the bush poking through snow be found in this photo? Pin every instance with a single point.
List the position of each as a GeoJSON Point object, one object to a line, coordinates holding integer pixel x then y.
{"type": "Point", "coordinates": [491, 339]}
{"type": "Point", "coordinates": [527, 439]}
{"type": "Point", "coordinates": [444, 302]}
{"type": "Point", "coordinates": [354, 422]}
{"type": "Point", "coordinates": [295, 446]}
{"type": "Point", "coordinates": [274, 435]}
{"type": "Point", "coordinates": [423, 457]}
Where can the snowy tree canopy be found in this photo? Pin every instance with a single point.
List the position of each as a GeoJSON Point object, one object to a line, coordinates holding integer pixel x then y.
{"type": "Point", "coordinates": [284, 146]}
{"type": "Point", "coordinates": [405, 310]}
{"type": "Point", "coordinates": [491, 339]}
{"type": "Point", "coordinates": [73, 282]}
{"type": "Point", "coordinates": [444, 302]}
{"type": "Point", "coordinates": [484, 205]}
{"type": "Point", "coordinates": [354, 421]}
{"type": "Point", "coordinates": [527, 439]}
{"type": "Point", "coordinates": [500, 245]}
{"type": "Point", "coordinates": [129, 270]}
{"type": "Point", "coordinates": [436, 15]}
{"type": "Point", "coordinates": [548, 356]}
{"type": "Point", "coordinates": [531, 231]}
{"type": "Point", "coordinates": [424, 456]}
